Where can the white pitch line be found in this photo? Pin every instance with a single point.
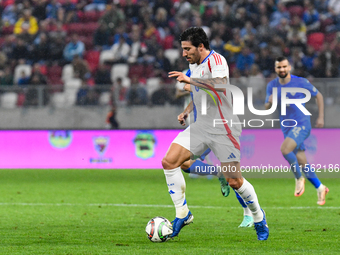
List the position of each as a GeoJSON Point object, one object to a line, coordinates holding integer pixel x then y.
{"type": "Point", "coordinates": [168, 206]}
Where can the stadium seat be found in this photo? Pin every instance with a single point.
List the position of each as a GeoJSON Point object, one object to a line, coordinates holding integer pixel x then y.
{"type": "Point", "coordinates": [330, 37]}
{"type": "Point", "coordinates": [296, 10]}
{"type": "Point", "coordinates": [18, 70]}
{"type": "Point", "coordinates": [92, 58]}
{"type": "Point", "coordinates": [119, 70]}
{"type": "Point", "coordinates": [9, 100]}
{"type": "Point", "coordinates": [105, 98]}
{"type": "Point", "coordinates": [136, 70]}
{"type": "Point", "coordinates": [105, 55]}
{"type": "Point", "coordinates": [67, 73]}
{"type": "Point", "coordinates": [126, 82]}
{"type": "Point", "coordinates": [91, 16]}
{"type": "Point", "coordinates": [172, 55]}
{"type": "Point", "coordinates": [74, 28]}
{"type": "Point", "coordinates": [88, 41]}
{"type": "Point", "coordinates": [152, 84]}
{"type": "Point", "coordinates": [316, 40]}
{"type": "Point", "coordinates": [71, 88]}
{"type": "Point", "coordinates": [89, 29]}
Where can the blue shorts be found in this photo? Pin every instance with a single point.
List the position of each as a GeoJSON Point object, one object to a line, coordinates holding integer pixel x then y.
{"type": "Point", "coordinates": [299, 134]}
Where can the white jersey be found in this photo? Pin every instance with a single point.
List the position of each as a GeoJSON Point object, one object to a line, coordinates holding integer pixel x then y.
{"type": "Point", "coordinates": [216, 115]}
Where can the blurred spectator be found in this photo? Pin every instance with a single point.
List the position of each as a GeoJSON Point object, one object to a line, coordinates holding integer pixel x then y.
{"type": "Point", "coordinates": [87, 96]}
{"type": "Point", "coordinates": [264, 31]}
{"type": "Point", "coordinates": [27, 26]}
{"type": "Point", "coordinates": [102, 76]}
{"type": "Point", "coordinates": [101, 38]}
{"type": "Point", "coordinates": [309, 57]}
{"type": "Point", "coordinates": [160, 96]}
{"type": "Point", "coordinates": [54, 11]}
{"type": "Point", "coordinates": [138, 48]}
{"type": "Point", "coordinates": [81, 68]}
{"type": "Point", "coordinates": [137, 94]}
{"type": "Point", "coordinates": [240, 18]}
{"type": "Point", "coordinates": [24, 79]}
{"type": "Point", "coordinates": [329, 61]}
{"type": "Point", "coordinates": [335, 46]}
{"type": "Point", "coordinates": [283, 28]}
{"type": "Point", "coordinates": [3, 60]}
{"type": "Point", "coordinates": [74, 48]}
{"type": "Point", "coordinates": [245, 60]}
{"type": "Point", "coordinates": [161, 64]}
{"type": "Point", "coordinates": [296, 60]}
{"type": "Point", "coordinates": [10, 14]}
{"type": "Point", "coordinates": [317, 71]}
{"type": "Point", "coordinates": [69, 11]}
{"type": "Point", "coordinates": [58, 32]}
{"type": "Point", "coordinates": [40, 10]}
{"type": "Point", "coordinates": [56, 50]}
{"type": "Point", "coordinates": [238, 80]}
{"type": "Point", "coordinates": [280, 13]}
{"type": "Point", "coordinates": [6, 77]}
{"type": "Point", "coordinates": [297, 29]}
{"type": "Point", "coordinates": [96, 5]}
{"type": "Point", "coordinates": [20, 50]}
{"type": "Point", "coordinates": [152, 46]}
{"type": "Point", "coordinates": [247, 30]}
{"type": "Point", "coordinates": [265, 62]}
{"type": "Point", "coordinates": [234, 47]}
{"type": "Point", "coordinates": [161, 21]}
{"type": "Point", "coordinates": [8, 46]}
{"type": "Point", "coordinates": [277, 46]}
{"type": "Point", "coordinates": [41, 50]}
{"type": "Point", "coordinates": [311, 17]}
{"type": "Point", "coordinates": [217, 44]}
{"type": "Point", "coordinates": [120, 51]}
{"type": "Point", "coordinates": [33, 93]}
{"type": "Point", "coordinates": [36, 71]}
{"type": "Point", "coordinates": [295, 43]}
{"type": "Point", "coordinates": [113, 18]}
{"type": "Point", "coordinates": [131, 11]}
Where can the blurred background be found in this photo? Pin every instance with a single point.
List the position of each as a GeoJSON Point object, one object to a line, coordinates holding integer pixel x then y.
{"type": "Point", "coordinates": [100, 64]}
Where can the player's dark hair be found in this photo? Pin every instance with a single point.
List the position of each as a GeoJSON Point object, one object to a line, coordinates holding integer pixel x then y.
{"type": "Point", "coordinates": [196, 36]}
{"type": "Point", "coordinates": [279, 59]}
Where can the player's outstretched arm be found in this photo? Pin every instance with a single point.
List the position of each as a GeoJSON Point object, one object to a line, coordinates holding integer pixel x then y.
{"type": "Point", "coordinates": [320, 103]}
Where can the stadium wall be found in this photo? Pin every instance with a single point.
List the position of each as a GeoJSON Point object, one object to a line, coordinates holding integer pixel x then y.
{"type": "Point", "coordinates": [144, 149]}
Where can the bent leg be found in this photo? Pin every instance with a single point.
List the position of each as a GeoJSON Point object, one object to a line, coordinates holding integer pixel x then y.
{"type": "Point", "coordinates": [287, 149]}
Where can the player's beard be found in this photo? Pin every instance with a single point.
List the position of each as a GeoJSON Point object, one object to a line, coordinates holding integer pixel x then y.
{"type": "Point", "coordinates": [282, 75]}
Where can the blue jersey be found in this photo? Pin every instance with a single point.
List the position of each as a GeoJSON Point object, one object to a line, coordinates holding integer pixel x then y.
{"type": "Point", "coordinates": [292, 111]}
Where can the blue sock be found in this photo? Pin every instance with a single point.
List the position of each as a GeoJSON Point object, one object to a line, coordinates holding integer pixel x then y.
{"type": "Point", "coordinates": [311, 176]}
{"type": "Point", "coordinates": [294, 165]}
{"type": "Point", "coordinates": [201, 168]}
{"type": "Point", "coordinates": [240, 200]}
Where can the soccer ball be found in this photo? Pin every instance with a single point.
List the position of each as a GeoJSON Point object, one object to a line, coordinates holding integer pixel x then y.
{"type": "Point", "coordinates": [159, 229]}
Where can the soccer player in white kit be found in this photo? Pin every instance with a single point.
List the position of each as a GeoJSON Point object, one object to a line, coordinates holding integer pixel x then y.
{"type": "Point", "coordinates": [208, 69]}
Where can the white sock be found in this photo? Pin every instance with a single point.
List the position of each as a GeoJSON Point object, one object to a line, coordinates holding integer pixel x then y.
{"type": "Point", "coordinates": [176, 186]}
{"type": "Point", "coordinates": [321, 187]}
{"type": "Point", "coordinates": [247, 192]}
{"type": "Point", "coordinates": [247, 212]}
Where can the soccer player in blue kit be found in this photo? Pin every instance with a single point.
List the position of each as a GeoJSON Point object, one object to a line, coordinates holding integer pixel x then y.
{"type": "Point", "coordinates": [295, 132]}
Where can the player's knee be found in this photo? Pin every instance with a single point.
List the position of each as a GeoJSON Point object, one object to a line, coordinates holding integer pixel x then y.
{"type": "Point", "coordinates": [284, 150]}
{"type": "Point", "coordinates": [234, 183]}
{"type": "Point", "coordinates": [168, 164]}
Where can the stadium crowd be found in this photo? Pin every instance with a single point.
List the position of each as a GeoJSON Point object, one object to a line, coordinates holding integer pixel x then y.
{"type": "Point", "coordinates": [84, 44]}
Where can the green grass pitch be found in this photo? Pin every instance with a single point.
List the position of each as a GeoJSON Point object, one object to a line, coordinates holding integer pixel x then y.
{"type": "Point", "coordinates": [106, 211]}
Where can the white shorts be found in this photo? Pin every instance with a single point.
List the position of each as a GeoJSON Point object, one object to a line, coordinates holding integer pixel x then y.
{"type": "Point", "coordinates": [198, 142]}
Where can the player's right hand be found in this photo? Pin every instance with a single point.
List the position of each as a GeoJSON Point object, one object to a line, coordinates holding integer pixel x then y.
{"type": "Point", "coordinates": [182, 117]}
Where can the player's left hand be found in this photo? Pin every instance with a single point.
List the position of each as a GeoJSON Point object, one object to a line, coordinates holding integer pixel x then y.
{"type": "Point", "coordinates": [181, 77]}
{"type": "Point", "coordinates": [320, 122]}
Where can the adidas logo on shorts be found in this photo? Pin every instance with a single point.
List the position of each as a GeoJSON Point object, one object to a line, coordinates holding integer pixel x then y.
{"type": "Point", "coordinates": [231, 156]}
